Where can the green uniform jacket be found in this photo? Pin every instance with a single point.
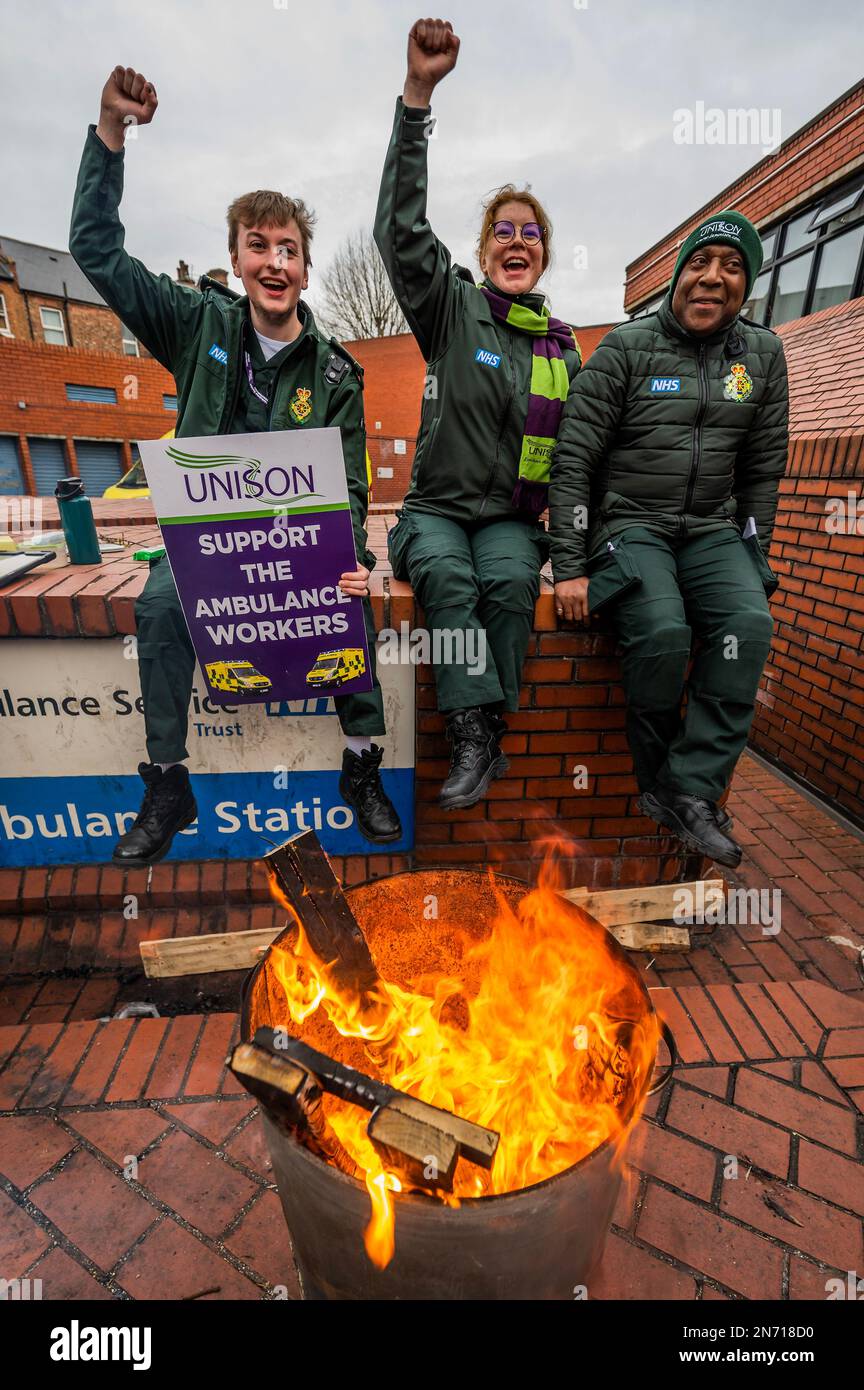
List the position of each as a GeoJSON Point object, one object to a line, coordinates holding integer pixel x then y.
{"type": "Point", "coordinates": [658, 427]}
{"type": "Point", "coordinates": [196, 335]}
{"type": "Point", "coordinates": [473, 418]}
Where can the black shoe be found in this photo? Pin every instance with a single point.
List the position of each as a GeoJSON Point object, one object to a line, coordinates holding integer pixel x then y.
{"type": "Point", "coordinates": [360, 786]}
{"type": "Point", "coordinates": [167, 808]}
{"type": "Point", "coordinates": [724, 820]}
{"type": "Point", "coordinates": [475, 759]}
{"type": "Point", "coordinates": [695, 821]}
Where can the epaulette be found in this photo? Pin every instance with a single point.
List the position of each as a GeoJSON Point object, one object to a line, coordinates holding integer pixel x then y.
{"type": "Point", "coordinates": [751, 323]}
{"type": "Point", "coordinates": [339, 362]}
{"type": "Point", "coordinates": [205, 283]}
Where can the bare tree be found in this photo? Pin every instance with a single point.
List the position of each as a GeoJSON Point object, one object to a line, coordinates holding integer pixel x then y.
{"type": "Point", "coordinates": [357, 299]}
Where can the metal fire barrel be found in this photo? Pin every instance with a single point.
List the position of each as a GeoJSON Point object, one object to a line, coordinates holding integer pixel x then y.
{"type": "Point", "coordinates": [540, 1242]}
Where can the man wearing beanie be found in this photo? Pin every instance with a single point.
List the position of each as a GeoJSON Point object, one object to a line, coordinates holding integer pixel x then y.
{"type": "Point", "coordinates": [662, 503]}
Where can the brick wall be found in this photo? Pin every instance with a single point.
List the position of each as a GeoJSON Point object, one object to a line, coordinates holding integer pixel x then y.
{"type": "Point", "coordinates": [38, 374]}
{"type": "Point", "coordinates": [827, 149]}
{"type": "Point", "coordinates": [809, 709]}
{"type": "Point", "coordinates": [89, 327]}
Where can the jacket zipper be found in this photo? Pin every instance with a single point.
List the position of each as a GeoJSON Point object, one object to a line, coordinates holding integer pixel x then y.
{"type": "Point", "coordinates": [696, 456]}
{"type": "Point", "coordinates": [510, 395]}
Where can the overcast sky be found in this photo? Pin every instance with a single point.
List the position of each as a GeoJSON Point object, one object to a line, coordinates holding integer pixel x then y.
{"type": "Point", "coordinates": [577, 99]}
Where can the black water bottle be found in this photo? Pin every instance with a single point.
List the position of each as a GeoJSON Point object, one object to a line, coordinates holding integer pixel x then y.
{"type": "Point", "coordinates": [76, 518]}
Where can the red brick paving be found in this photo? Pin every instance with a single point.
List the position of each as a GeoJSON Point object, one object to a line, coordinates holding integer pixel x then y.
{"type": "Point", "coordinates": [199, 1212]}
{"type": "Point", "coordinates": [770, 1030]}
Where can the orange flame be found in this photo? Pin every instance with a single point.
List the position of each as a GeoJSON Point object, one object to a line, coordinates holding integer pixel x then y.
{"type": "Point", "coordinates": [552, 1048]}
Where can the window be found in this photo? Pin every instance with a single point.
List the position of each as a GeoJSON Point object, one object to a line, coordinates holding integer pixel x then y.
{"type": "Point", "coordinates": [813, 260]}
{"type": "Point", "coordinates": [798, 233]}
{"type": "Point", "coordinates": [651, 307]}
{"type": "Point", "coordinates": [791, 289]}
{"type": "Point", "coordinates": [4, 319]}
{"type": "Point", "coordinates": [169, 402]}
{"type": "Point", "coordinates": [757, 304]}
{"type": "Point", "coordinates": [53, 327]}
{"type": "Point", "coordinates": [769, 246]}
{"type": "Point", "coordinates": [838, 263]}
{"type": "Point", "coordinates": [837, 207]}
{"type": "Point", "coordinates": [129, 342]}
{"type": "Point", "coordinates": [98, 395]}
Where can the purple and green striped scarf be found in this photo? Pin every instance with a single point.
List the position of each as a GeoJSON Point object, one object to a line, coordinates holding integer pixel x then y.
{"type": "Point", "coordinates": [549, 386]}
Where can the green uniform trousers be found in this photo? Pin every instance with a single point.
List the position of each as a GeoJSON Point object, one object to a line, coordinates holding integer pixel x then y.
{"type": "Point", "coordinates": [477, 585]}
{"type": "Point", "coordinates": [708, 586]}
{"type": "Point", "coordinates": [166, 663]}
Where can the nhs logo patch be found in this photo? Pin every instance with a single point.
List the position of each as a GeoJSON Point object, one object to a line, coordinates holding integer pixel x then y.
{"type": "Point", "coordinates": [665, 385]}
{"type": "Point", "coordinates": [486, 358]}
{"type": "Point", "coordinates": [219, 353]}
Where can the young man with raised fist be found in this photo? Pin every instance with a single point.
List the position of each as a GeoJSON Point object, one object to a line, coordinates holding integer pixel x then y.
{"type": "Point", "coordinates": [269, 348]}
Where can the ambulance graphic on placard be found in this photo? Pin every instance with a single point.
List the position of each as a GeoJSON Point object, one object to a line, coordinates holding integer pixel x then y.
{"type": "Point", "coordinates": [237, 677]}
{"type": "Point", "coordinates": [337, 667]}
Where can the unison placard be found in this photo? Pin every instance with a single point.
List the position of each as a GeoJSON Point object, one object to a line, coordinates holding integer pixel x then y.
{"type": "Point", "coordinates": [257, 530]}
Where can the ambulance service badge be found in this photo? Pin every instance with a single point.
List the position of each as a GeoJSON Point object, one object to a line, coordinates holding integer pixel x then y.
{"type": "Point", "coordinates": [300, 408]}
{"type": "Point", "coordinates": [738, 385]}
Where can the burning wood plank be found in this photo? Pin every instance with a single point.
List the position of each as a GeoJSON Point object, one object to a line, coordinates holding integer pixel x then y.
{"type": "Point", "coordinates": [419, 1140]}
{"type": "Point", "coordinates": [291, 1096]}
{"type": "Point", "coordinates": [305, 880]}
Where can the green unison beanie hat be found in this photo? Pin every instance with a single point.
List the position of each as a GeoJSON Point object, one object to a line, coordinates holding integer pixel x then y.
{"type": "Point", "coordinates": [727, 228]}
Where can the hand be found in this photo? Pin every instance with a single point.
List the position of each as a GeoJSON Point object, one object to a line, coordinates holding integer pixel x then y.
{"type": "Point", "coordinates": [432, 52]}
{"type": "Point", "coordinates": [127, 99]}
{"type": "Point", "coordinates": [571, 600]}
{"type": "Point", "coordinates": [355, 582]}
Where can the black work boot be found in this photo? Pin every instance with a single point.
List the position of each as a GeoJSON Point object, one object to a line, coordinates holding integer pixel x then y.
{"type": "Point", "coordinates": [475, 757]}
{"type": "Point", "coordinates": [360, 786]}
{"type": "Point", "coordinates": [695, 821]}
{"type": "Point", "coordinates": [168, 807]}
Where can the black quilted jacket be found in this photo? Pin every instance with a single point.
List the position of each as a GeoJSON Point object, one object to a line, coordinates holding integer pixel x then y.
{"type": "Point", "coordinates": [661, 424]}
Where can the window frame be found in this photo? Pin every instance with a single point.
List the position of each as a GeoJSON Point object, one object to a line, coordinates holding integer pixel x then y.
{"type": "Point", "coordinates": [52, 309]}
{"type": "Point", "coordinates": [821, 236]}
{"type": "Point", "coordinates": [127, 336]}
{"type": "Point", "coordinates": [4, 318]}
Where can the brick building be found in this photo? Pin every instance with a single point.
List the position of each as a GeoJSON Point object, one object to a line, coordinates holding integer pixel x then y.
{"type": "Point", "coordinates": [807, 200]}
{"type": "Point", "coordinates": [76, 387]}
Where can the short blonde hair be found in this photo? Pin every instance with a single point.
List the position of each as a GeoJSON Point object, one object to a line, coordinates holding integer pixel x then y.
{"type": "Point", "coordinates": [268, 209]}
{"type": "Point", "coordinates": [509, 193]}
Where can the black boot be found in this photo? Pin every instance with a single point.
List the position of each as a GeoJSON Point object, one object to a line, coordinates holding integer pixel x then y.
{"type": "Point", "coordinates": [168, 807]}
{"type": "Point", "coordinates": [695, 821]}
{"type": "Point", "coordinates": [475, 759]}
{"type": "Point", "coordinates": [360, 786]}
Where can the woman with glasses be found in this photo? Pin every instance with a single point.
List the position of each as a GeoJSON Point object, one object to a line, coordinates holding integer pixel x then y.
{"type": "Point", "coordinates": [469, 537]}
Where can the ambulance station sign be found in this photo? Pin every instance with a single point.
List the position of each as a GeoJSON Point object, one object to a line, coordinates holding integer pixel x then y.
{"type": "Point", "coordinates": [72, 734]}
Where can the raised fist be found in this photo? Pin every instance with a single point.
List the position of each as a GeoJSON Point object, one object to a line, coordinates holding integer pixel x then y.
{"type": "Point", "coordinates": [432, 52]}
{"type": "Point", "coordinates": [127, 99]}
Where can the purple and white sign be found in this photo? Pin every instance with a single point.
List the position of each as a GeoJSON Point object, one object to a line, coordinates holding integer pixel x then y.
{"type": "Point", "coordinates": [257, 530]}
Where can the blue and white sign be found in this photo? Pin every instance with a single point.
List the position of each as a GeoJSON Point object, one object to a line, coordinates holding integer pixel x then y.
{"type": "Point", "coordinates": [73, 734]}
